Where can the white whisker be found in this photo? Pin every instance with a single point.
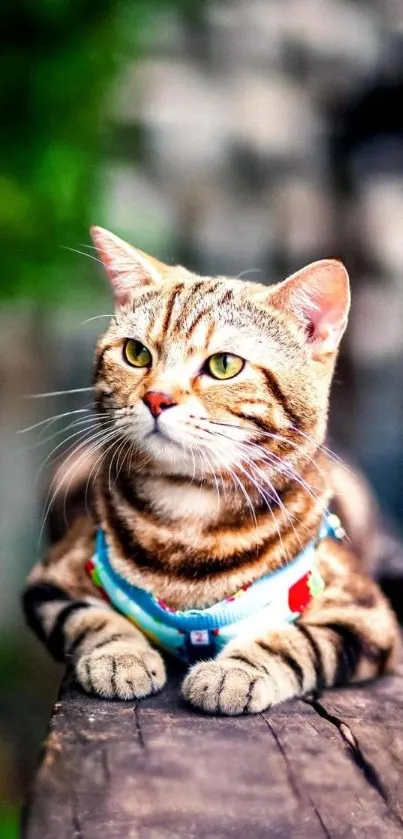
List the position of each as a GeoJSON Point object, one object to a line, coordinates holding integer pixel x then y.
{"type": "Point", "coordinates": [96, 317]}
{"type": "Point", "coordinates": [275, 436]}
{"type": "Point", "coordinates": [81, 422]}
{"type": "Point", "coordinates": [279, 466]}
{"type": "Point", "coordinates": [83, 456]}
{"type": "Point", "coordinates": [85, 430]}
{"type": "Point", "coordinates": [58, 393]}
{"type": "Point", "coordinates": [82, 253]}
{"type": "Point", "coordinates": [249, 271]}
{"type": "Point", "coordinates": [51, 420]}
{"type": "Point", "coordinates": [54, 489]}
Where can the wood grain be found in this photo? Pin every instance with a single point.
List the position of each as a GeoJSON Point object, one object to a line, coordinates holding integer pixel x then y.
{"type": "Point", "coordinates": [157, 770]}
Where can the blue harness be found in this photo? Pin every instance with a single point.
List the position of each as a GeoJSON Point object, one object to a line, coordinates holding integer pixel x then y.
{"type": "Point", "coordinates": [276, 599]}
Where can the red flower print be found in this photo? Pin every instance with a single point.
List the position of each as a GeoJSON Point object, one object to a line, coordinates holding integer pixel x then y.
{"type": "Point", "coordinates": [299, 594]}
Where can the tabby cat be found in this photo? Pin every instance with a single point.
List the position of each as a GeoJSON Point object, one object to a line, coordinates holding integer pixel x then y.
{"type": "Point", "coordinates": [212, 396]}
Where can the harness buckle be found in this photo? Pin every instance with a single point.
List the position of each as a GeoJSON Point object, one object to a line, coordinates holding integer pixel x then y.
{"type": "Point", "coordinates": [199, 645]}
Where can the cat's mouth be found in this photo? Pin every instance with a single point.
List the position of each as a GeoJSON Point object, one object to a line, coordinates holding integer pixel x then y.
{"type": "Point", "coordinates": [159, 433]}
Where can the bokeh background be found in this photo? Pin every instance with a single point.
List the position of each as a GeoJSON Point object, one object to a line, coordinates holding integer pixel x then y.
{"type": "Point", "coordinates": [241, 136]}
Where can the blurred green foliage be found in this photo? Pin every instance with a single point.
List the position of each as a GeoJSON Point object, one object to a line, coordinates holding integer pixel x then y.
{"type": "Point", "coordinates": [9, 822]}
{"type": "Point", "coordinates": [58, 59]}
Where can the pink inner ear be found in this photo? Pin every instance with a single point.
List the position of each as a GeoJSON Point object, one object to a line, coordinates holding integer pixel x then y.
{"type": "Point", "coordinates": [326, 316]}
{"type": "Point", "coordinates": [315, 309]}
{"type": "Point", "coordinates": [127, 268]}
{"type": "Point", "coordinates": [319, 297]}
{"type": "Point", "coordinates": [310, 330]}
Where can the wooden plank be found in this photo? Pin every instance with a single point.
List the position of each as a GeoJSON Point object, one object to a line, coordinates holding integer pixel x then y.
{"type": "Point", "coordinates": [158, 770]}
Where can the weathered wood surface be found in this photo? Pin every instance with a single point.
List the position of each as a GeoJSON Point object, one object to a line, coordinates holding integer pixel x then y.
{"type": "Point", "coordinates": [157, 770]}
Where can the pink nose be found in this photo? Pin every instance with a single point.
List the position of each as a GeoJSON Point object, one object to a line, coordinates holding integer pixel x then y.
{"type": "Point", "coordinates": [158, 402]}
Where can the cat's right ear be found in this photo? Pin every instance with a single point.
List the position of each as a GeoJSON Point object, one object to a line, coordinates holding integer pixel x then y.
{"type": "Point", "coordinates": [127, 267]}
{"type": "Point", "coordinates": [318, 296]}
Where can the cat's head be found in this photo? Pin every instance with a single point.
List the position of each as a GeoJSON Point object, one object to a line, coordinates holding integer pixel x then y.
{"type": "Point", "coordinates": [203, 375]}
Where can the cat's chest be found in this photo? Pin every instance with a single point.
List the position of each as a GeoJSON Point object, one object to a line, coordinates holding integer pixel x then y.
{"type": "Point", "coordinates": [176, 501]}
{"type": "Point", "coordinates": [188, 545]}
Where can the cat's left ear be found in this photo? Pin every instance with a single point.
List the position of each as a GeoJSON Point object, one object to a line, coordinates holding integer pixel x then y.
{"type": "Point", "coordinates": [319, 297]}
{"type": "Point", "coordinates": [127, 267]}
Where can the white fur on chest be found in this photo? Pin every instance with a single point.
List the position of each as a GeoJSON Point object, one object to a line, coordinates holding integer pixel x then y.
{"type": "Point", "coordinates": [175, 501]}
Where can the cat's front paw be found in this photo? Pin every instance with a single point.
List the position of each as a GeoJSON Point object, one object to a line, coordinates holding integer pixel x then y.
{"type": "Point", "coordinates": [120, 670]}
{"type": "Point", "coordinates": [245, 679]}
{"type": "Point", "coordinates": [228, 686]}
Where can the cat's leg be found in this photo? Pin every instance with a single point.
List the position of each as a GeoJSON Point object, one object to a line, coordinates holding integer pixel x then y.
{"type": "Point", "coordinates": [111, 658]}
{"type": "Point", "coordinates": [347, 634]}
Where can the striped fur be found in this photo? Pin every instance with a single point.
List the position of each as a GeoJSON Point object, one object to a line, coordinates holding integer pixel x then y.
{"type": "Point", "coordinates": [228, 484]}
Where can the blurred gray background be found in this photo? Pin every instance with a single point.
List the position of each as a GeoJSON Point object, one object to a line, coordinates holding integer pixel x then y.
{"type": "Point", "coordinates": [233, 137]}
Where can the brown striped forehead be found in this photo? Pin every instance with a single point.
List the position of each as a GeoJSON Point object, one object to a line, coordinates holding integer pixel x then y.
{"type": "Point", "coordinates": [188, 316]}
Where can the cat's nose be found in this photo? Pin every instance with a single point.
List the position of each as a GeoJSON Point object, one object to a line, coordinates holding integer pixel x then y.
{"type": "Point", "coordinates": [158, 402]}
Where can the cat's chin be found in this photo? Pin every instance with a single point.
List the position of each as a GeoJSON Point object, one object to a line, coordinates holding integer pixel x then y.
{"type": "Point", "coordinates": [168, 457]}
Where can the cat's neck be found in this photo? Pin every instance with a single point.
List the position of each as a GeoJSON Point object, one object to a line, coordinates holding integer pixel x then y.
{"type": "Point", "coordinates": [191, 545]}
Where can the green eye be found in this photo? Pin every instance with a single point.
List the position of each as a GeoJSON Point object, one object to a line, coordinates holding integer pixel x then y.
{"type": "Point", "coordinates": [137, 354]}
{"type": "Point", "coordinates": [223, 365]}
